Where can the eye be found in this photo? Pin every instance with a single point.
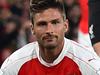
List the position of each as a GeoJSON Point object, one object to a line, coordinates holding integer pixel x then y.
{"type": "Point", "coordinates": [41, 23]}
{"type": "Point", "coordinates": [55, 22]}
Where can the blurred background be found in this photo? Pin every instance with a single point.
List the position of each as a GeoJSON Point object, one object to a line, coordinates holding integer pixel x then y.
{"type": "Point", "coordinates": [15, 24]}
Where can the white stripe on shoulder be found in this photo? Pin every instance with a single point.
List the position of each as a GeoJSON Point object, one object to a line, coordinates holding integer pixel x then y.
{"type": "Point", "coordinates": [27, 51]}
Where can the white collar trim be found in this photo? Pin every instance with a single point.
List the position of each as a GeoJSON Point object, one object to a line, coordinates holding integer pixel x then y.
{"type": "Point", "coordinates": [58, 60]}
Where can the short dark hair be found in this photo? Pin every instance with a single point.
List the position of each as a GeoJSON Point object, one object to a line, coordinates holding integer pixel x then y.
{"type": "Point", "coordinates": [37, 6]}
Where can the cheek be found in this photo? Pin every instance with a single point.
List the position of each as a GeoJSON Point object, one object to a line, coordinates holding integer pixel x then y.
{"type": "Point", "coordinates": [61, 31]}
{"type": "Point", "coordinates": [38, 33]}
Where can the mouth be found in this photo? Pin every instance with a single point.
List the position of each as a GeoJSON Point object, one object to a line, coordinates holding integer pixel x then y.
{"type": "Point", "coordinates": [48, 38]}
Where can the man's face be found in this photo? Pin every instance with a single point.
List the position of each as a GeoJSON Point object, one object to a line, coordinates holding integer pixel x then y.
{"type": "Point", "coordinates": [49, 28]}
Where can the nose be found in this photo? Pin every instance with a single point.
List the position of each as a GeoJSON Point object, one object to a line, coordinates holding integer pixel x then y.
{"type": "Point", "coordinates": [49, 28]}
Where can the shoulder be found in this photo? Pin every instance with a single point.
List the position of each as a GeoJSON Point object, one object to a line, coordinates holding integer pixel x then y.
{"type": "Point", "coordinates": [79, 50]}
{"type": "Point", "coordinates": [77, 47]}
{"type": "Point", "coordinates": [83, 56]}
{"type": "Point", "coordinates": [19, 57]}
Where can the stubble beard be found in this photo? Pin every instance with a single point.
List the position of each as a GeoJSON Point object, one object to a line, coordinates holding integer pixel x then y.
{"type": "Point", "coordinates": [49, 41]}
{"type": "Point", "coordinates": [48, 45]}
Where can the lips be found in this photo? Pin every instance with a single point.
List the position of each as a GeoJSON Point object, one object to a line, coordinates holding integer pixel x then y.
{"type": "Point", "coordinates": [49, 38]}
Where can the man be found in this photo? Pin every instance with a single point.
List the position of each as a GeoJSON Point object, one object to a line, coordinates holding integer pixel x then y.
{"type": "Point", "coordinates": [94, 24]}
{"type": "Point", "coordinates": [51, 54]}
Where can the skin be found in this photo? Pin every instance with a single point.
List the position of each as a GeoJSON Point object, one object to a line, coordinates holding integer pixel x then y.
{"type": "Point", "coordinates": [49, 28]}
{"type": "Point", "coordinates": [96, 47]}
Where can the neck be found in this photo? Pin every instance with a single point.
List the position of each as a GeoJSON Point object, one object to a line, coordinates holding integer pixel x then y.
{"type": "Point", "coordinates": [50, 55]}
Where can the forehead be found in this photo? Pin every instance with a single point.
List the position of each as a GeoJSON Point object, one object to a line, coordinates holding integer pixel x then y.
{"type": "Point", "coordinates": [48, 14]}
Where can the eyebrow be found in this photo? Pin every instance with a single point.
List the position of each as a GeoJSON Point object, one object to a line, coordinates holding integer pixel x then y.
{"type": "Point", "coordinates": [41, 22]}
{"type": "Point", "coordinates": [49, 21]}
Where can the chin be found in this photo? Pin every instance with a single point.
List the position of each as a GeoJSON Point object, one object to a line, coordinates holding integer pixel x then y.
{"type": "Point", "coordinates": [50, 46]}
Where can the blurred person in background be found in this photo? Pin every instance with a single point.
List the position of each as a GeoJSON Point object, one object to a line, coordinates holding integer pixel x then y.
{"type": "Point", "coordinates": [83, 36]}
{"type": "Point", "coordinates": [94, 24]}
{"type": "Point", "coordinates": [14, 9]}
{"type": "Point", "coordinates": [8, 37]}
{"type": "Point", "coordinates": [4, 12]}
{"type": "Point", "coordinates": [89, 25]}
{"type": "Point", "coordinates": [74, 16]}
{"type": "Point", "coordinates": [25, 34]}
{"type": "Point", "coordinates": [69, 3]}
{"type": "Point", "coordinates": [10, 32]}
{"type": "Point", "coordinates": [4, 4]}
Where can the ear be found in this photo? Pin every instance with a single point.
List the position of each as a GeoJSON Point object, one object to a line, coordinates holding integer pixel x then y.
{"type": "Point", "coordinates": [66, 25]}
{"type": "Point", "coordinates": [32, 29]}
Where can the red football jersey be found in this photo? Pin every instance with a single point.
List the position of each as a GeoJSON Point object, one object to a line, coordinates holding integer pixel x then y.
{"type": "Point", "coordinates": [74, 59]}
{"type": "Point", "coordinates": [66, 67]}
